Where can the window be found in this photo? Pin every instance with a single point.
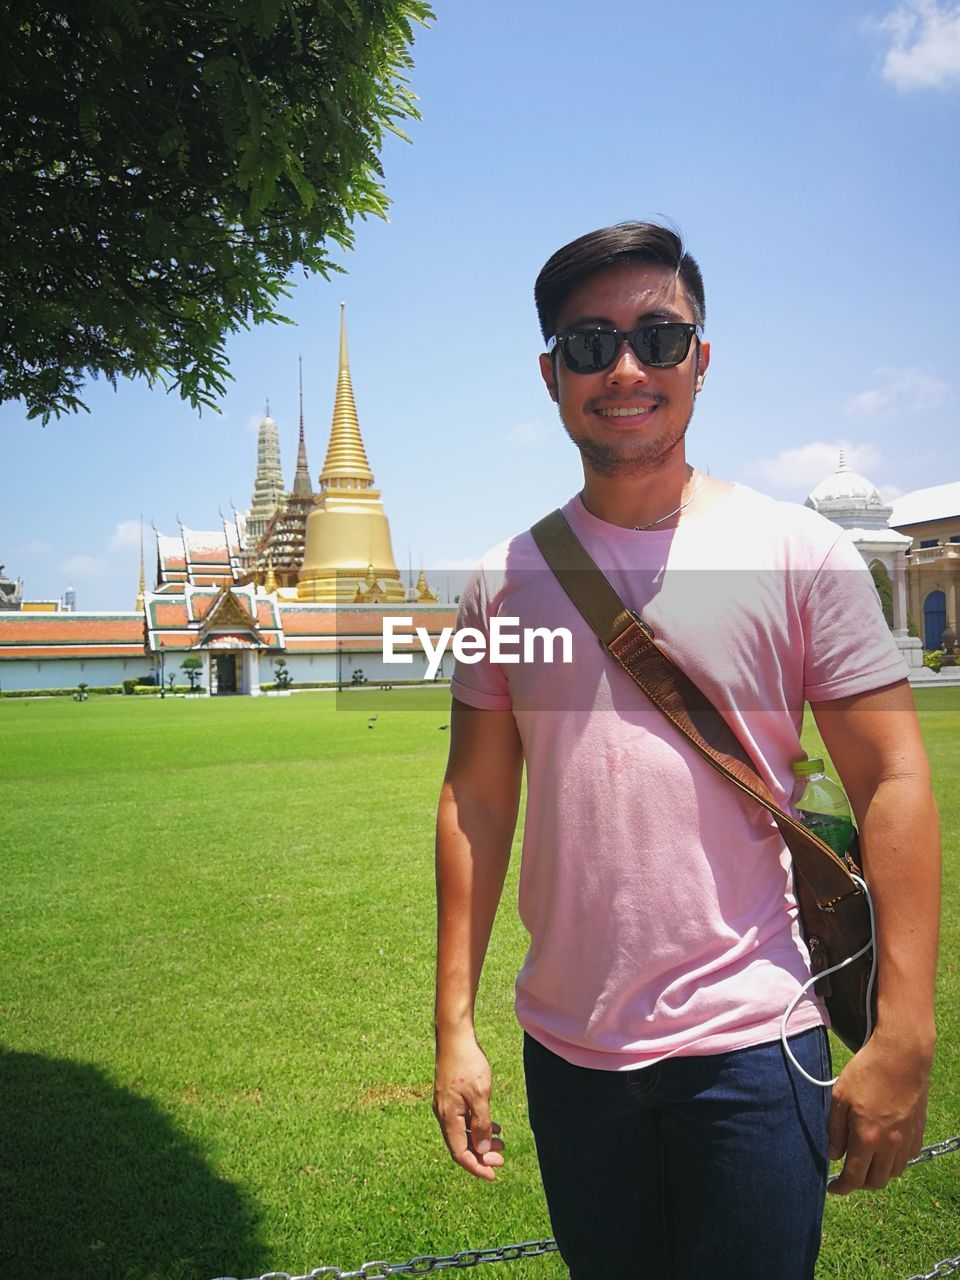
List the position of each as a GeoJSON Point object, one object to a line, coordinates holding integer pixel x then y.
{"type": "Point", "coordinates": [934, 619]}
{"type": "Point", "coordinates": [928, 542]}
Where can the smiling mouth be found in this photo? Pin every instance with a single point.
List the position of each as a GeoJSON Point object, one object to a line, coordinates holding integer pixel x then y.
{"type": "Point", "coordinates": [632, 411]}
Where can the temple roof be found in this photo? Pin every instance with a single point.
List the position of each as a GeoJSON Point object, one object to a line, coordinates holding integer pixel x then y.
{"type": "Point", "coordinates": [225, 617]}
{"type": "Point", "coordinates": [205, 557]}
{"type": "Point", "coordinates": [328, 620]}
{"type": "Point", "coordinates": [197, 616]}
{"type": "Point", "coordinates": [844, 488]}
{"type": "Point", "coordinates": [939, 502]}
{"type": "Point", "coordinates": [71, 635]}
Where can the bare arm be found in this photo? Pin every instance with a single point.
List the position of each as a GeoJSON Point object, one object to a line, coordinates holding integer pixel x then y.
{"type": "Point", "coordinates": [475, 824]}
{"type": "Point", "coordinates": [880, 1100]}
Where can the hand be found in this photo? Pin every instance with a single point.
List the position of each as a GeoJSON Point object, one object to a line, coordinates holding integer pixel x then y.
{"type": "Point", "coordinates": [461, 1103]}
{"type": "Point", "coordinates": [878, 1113]}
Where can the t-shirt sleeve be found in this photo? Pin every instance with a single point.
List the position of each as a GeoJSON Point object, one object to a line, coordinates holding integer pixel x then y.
{"type": "Point", "coordinates": [848, 646]}
{"type": "Point", "coordinates": [481, 683]}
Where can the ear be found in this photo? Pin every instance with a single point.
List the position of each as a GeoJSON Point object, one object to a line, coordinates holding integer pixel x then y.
{"type": "Point", "coordinates": [703, 361]}
{"type": "Point", "coordinates": [548, 373]}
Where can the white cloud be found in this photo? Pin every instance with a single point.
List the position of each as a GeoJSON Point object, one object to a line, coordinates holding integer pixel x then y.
{"type": "Point", "coordinates": [925, 53]}
{"type": "Point", "coordinates": [527, 433]}
{"type": "Point", "coordinates": [899, 390]}
{"type": "Point", "coordinates": [794, 469]}
{"type": "Point", "coordinates": [126, 536]}
{"type": "Point", "coordinates": [889, 492]}
{"type": "Point", "coordinates": [85, 567]}
{"type": "Point", "coordinates": [253, 423]}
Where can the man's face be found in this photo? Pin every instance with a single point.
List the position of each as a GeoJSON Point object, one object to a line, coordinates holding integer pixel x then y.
{"type": "Point", "coordinates": [659, 402]}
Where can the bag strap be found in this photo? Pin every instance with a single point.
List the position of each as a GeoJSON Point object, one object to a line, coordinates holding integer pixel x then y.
{"type": "Point", "coordinates": [629, 640]}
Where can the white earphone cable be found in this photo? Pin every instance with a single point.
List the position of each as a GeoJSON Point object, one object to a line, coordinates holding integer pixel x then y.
{"type": "Point", "coordinates": [788, 1012]}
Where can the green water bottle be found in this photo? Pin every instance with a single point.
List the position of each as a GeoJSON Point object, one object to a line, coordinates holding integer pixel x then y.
{"type": "Point", "coordinates": [824, 807]}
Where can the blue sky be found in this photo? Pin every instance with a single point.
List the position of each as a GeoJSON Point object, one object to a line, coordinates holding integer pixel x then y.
{"type": "Point", "coordinates": [807, 153]}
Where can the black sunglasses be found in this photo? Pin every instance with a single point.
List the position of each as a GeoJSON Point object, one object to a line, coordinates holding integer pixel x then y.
{"type": "Point", "coordinates": [593, 350]}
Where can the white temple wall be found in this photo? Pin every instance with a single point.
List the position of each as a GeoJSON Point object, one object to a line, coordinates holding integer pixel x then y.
{"type": "Point", "coordinates": [322, 668]}
{"type": "Point", "coordinates": [67, 673]}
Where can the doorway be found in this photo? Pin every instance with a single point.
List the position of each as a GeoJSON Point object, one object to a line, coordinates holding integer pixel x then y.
{"type": "Point", "coordinates": [226, 673]}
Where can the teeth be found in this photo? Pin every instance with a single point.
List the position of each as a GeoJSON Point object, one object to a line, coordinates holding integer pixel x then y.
{"type": "Point", "coordinates": [625, 413]}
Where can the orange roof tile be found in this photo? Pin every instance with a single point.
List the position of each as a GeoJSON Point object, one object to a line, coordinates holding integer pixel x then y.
{"type": "Point", "coordinates": [66, 628]}
{"type": "Point", "coordinates": [174, 639]}
{"type": "Point", "coordinates": [342, 622]}
{"type": "Point", "coordinates": [172, 613]}
{"type": "Point", "coordinates": [74, 651]}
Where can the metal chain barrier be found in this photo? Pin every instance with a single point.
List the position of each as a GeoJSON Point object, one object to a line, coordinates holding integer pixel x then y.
{"type": "Point", "coordinates": [948, 1267]}
{"type": "Point", "coordinates": [426, 1264]}
{"type": "Point", "coordinates": [936, 1149]}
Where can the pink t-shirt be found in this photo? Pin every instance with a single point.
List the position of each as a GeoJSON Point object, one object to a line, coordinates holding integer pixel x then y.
{"type": "Point", "coordinates": [657, 896]}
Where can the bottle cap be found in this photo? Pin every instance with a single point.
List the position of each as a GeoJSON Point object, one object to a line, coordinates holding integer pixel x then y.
{"type": "Point", "coordinates": [804, 768]}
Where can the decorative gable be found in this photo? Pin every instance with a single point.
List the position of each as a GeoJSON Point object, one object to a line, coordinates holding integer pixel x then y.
{"type": "Point", "coordinates": [228, 613]}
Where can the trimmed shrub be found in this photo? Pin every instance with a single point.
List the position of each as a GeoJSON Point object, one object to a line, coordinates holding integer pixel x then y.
{"type": "Point", "coordinates": [37, 693]}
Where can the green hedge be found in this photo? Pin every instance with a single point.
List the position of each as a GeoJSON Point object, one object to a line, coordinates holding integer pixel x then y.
{"type": "Point", "coordinates": [131, 686]}
{"type": "Point", "coordinates": [59, 693]}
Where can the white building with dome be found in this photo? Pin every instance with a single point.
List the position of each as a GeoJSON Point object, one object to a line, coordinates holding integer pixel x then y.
{"type": "Point", "coordinates": [852, 501]}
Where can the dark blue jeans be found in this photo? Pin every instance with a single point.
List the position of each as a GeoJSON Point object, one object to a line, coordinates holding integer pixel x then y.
{"type": "Point", "coordinates": [692, 1168]}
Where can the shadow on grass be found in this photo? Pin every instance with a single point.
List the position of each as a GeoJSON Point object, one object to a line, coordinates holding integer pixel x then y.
{"type": "Point", "coordinates": [96, 1182]}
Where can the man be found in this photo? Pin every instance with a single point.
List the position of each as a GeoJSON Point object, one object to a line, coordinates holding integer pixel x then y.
{"type": "Point", "coordinates": [674, 1137]}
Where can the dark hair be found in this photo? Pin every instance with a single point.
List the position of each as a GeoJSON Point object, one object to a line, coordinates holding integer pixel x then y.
{"type": "Point", "coordinates": [610, 246]}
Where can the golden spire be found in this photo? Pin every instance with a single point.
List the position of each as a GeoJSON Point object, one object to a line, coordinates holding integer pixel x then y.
{"type": "Point", "coordinates": [143, 581]}
{"type": "Point", "coordinates": [302, 488]}
{"type": "Point", "coordinates": [270, 585]}
{"type": "Point", "coordinates": [346, 465]}
{"type": "Point", "coordinates": [425, 595]}
{"type": "Point", "coordinates": [347, 529]}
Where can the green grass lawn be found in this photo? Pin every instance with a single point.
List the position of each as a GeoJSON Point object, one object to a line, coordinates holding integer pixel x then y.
{"type": "Point", "coordinates": [215, 1004]}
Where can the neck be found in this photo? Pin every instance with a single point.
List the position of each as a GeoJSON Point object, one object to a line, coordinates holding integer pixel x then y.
{"type": "Point", "coordinates": [641, 498]}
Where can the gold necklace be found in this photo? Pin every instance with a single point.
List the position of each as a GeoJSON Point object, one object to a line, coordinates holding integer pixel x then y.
{"type": "Point", "coordinates": [639, 528]}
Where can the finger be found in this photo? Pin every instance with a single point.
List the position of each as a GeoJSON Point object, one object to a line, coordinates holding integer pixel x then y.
{"type": "Point", "coordinates": [476, 1166]}
{"type": "Point", "coordinates": [492, 1159]}
{"type": "Point", "coordinates": [880, 1172]}
{"type": "Point", "coordinates": [458, 1143]}
{"type": "Point", "coordinates": [853, 1175]}
{"type": "Point", "coordinates": [837, 1130]}
{"type": "Point", "coordinates": [481, 1127]}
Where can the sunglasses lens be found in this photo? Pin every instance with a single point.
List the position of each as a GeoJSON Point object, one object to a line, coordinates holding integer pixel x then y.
{"type": "Point", "coordinates": [589, 350]}
{"type": "Point", "coordinates": [662, 345]}
{"type": "Point", "coordinates": [657, 345]}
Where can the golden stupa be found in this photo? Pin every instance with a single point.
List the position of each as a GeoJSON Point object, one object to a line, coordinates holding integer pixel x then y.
{"type": "Point", "coordinates": [347, 548]}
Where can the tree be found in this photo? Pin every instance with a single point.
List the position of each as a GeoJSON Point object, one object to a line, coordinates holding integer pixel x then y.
{"type": "Point", "coordinates": [164, 167]}
{"type": "Point", "coordinates": [881, 580]}
{"type": "Point", "coordinates": [191, 665]}
{"type": "Point", "coordinates": [282, 674]}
